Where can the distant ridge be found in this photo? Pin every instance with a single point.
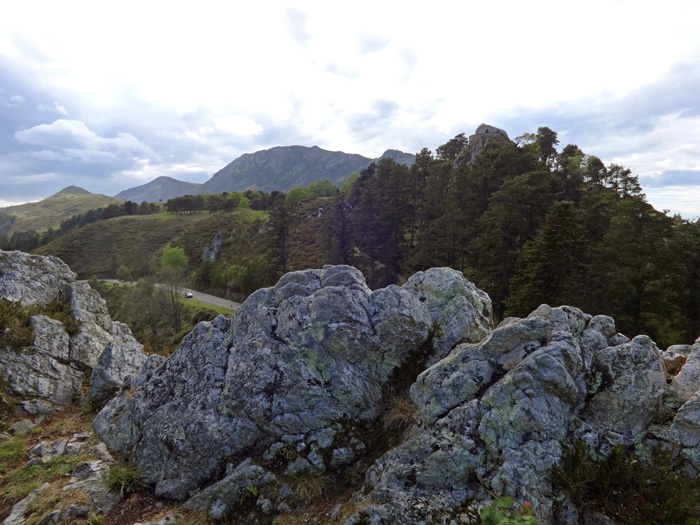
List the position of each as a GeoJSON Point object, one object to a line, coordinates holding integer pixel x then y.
{"type": "Point", "coordinates": [49, 213]}
{"type": "Point", "coordinates": [73, 190]}
{"type": "Point", "coordinates": [160, 189]}
{"type": "Point", "coordinates": [281, 168]}
{"type": "Point", "coordinates": [285, 167]}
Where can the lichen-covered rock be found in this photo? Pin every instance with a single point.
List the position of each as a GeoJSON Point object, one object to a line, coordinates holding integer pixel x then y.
{"type": "Point", "coordinates": [496, 417]}
{"type": "Point", "coordinates": [287, 378]}
{"type": "Point", "coordinates": [461, 313]}
{"type": "Point", "coordinates": [470, 368]}
{"type": "Point", "coordinates": [91, 478]}
{"type": "Point", "coordinates": [501, 404]}
{"type": "Point", "coordinates": [241, 482]}
{"type": "Point", "coordinates": [17, 514]}
{"type": "Point", "coordinates": [43, 370]}
{"type": "Point", "coordinates": [32, 279]}
{"type": "Point", "coordinates": [632, 382]}
{"type": "Point", "coordinates": [51, 373]}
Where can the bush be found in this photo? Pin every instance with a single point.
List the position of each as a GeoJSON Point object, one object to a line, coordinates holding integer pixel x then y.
{"type": "Point", "coordinates": [628, 488]}
{"type": "Point", "coordinates": [15, 331]}
{"type": "Point", "coordinates": [504, 512]}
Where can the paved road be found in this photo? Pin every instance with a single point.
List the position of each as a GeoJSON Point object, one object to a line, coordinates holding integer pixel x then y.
{"type": "Point", "coordinates": [199, 296]}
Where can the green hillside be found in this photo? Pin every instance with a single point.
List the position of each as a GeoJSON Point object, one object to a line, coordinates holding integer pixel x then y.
{"type": "Point", "coordinates": [49, 213]}
{"type": "Point", "coordinates": [99, 248]}
{"type": "Point", "coordinates": [137, 241]}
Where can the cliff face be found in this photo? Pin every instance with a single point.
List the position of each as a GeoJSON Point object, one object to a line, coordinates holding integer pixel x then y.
{"type": "Point", "coordinates": [298, 384]}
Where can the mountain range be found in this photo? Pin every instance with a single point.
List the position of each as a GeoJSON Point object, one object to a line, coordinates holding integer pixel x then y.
{"type": "Point", "coordinates": [281, 168]}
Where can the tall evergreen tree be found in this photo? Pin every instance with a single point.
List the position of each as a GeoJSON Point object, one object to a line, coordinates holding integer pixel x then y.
{"type": "Point", "coordinates": [552, 265]}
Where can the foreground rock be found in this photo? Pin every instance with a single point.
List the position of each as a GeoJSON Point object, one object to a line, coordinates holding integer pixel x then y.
{"type": "Point", "coordinates": [51, 373]}
{"type": "Point", "coordinates": [296, 379]}
{"type": "Point", "coordinates": [290, 393]}
{"type": "Point", "coordinates": [292, 388]}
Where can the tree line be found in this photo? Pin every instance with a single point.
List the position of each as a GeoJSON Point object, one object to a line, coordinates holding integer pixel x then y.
{"type": "Point", "coordinates": [527, 223]}
{"type": "Point", "coordinates": [29, 240]}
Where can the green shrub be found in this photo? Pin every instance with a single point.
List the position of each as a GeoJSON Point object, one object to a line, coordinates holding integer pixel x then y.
{"type": "Point", "coordinates": [15, 330]}
{"type": "Point", "coordinates": [503, 511]}
{"type": "Point", "coordinates": [630, 489]}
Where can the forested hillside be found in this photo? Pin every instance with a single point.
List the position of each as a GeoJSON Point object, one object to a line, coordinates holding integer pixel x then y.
{"type": "Point", "coordinates": [527, 223]}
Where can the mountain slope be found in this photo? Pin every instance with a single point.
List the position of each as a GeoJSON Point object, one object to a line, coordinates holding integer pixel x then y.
{"type": "Point", "coordinates": [286, 167]}
{"type": "Point", "coordinates": [160, 189]}
{"type": "Point", "coordinates": [49, 213]}
{"type": "Point", "coordinates": [97, 249]}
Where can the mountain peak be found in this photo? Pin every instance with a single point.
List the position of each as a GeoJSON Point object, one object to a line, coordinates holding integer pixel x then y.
{"type": "Point", "coordinates": [73, 190]}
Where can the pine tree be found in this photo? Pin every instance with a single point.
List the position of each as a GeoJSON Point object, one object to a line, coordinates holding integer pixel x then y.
{"type": "Point", "coordinates": [552, 265]}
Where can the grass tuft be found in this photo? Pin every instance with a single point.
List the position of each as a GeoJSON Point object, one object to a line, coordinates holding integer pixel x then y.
{"type": "Point", "coordinates": [125, 479]}
{"type": "Point", "coordinates": [399, 414]}
{"type": "Point", "coordinates": [309, 486]}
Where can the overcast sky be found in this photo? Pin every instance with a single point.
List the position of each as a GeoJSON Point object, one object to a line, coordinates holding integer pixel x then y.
{"type": "Point", "coordinates": [108, 96]}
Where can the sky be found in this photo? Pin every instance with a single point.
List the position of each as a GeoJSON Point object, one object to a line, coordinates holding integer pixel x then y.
{"type": "Point", "coordinates": [110, 95]}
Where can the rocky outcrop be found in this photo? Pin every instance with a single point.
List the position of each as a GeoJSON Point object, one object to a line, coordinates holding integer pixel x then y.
{"type": "Point", "coordinates": [478, 141]}
{"type": "Point", "coordinates": [295, 385]}
{"type": "Point", "coordinates": [296, 379]}
{"type": "Point", "coordinates": [52, 372]}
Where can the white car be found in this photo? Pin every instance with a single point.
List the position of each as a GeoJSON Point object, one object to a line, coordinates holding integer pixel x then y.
{"type": "Point", "coordinates": [189, 295]}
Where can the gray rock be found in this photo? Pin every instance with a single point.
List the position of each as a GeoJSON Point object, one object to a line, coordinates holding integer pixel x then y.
{"type": "Point", "coordinates": [51, 373]}
{"type": "Point", "coordinates": [32, 279]}
{"type": "Point", "coordinates": [501, 433]}
{"type": "Point", "coordinates": [294, 360]}
{"type": "Point", "coordinates": [633, 382]}
{"type": "Point", "coordinates": [23, 426]}
{"type": "Point", "coordinates": [687, 381]}
{"type": "Point", "coordinates": [118, 362]}
{"type": "Point", "coordinates": [470, 368]}
{"type": "Point", "coordinates": [16, 516]}
{"type": "Point", "coordinates": [44, 371]}
{"type": "Point", "coordinates": [168, 520]}
{"type": "Point", "coordinates": [461, 313]}
{"type": "Point", "coordinates": [221, 498]}
{"type": "Point", "coordinates": [45, 451]}
{"type": "Point", "coordinates": [91, 478]}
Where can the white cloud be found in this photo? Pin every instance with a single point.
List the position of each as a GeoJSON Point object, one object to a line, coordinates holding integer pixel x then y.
{"type": "Point", "coordinates": [14, 202]}
{"type": "Point", "coordinates": [72, 139]}
{"type": "Point", "coordinates": [678, 199]}
{"type": "Point", "coordinates": [14, 101]}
